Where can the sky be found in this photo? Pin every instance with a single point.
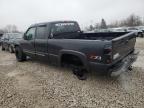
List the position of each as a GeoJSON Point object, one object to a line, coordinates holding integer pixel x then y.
{"type": "Point", "coordinates": [23, 13]}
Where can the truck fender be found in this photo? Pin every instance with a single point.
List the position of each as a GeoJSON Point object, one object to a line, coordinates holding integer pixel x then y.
{"type": "Point", "coordinates": [80, 55]}
{"type": "Point", "coordinates": [16, 44]}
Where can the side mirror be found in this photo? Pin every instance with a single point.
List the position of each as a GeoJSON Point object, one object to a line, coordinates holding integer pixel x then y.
{"type": "Point", "coordinates": [27, 37]}
{"type": "Point", "coordinates": [24, 37]}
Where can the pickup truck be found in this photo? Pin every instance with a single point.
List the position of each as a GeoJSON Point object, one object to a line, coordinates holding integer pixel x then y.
{"type": "Point", "coordinates": [63, 43]}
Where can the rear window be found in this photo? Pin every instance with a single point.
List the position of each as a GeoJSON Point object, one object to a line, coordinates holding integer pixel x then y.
{"type": "Point", "coordinates": [41, 32]}
{"type": "Point", "coordinates": [65, 28]}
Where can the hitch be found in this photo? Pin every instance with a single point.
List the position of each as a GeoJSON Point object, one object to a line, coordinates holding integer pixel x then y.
{"type": "Point", "coordinates": [126, 64]}
{"type": "Point", "coordinates": [130, 68]}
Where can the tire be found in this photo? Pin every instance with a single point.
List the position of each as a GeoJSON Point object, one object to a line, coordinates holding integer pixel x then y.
{"type": "Point", "coordinates": [80, 73]}
{"type": "Point", "coordinates": [2, 48]}
{"type": "Point", "coordinates": [20, 56]}
{"type": "Point", "coordinates": [140, 35]}
{"type": "Point", "coordinates": [11, 49]}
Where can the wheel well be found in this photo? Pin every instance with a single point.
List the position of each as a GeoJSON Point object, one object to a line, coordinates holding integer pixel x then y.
{"type": "Point", "coordinates": [69, 59]}
{"type": "Point", "coordinates": [16, 46]}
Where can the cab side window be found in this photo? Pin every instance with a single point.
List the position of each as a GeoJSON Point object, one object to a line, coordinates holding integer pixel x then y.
{"type": "Point", "coordinates": [30, 34]}
{"type": "Point", "coordinates": [41, 32]}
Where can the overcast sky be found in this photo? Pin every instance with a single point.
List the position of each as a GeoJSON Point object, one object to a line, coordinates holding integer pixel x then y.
{"type": "Point", "coordinates": [23, 13]}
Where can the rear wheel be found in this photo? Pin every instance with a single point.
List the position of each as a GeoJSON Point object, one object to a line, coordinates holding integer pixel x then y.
{"type": "Point", "coordinates": [76, 64]}
{"type": "Point", "coordinates": [20, 56]}
{"type": "Point", "coordinates": [80, 73]}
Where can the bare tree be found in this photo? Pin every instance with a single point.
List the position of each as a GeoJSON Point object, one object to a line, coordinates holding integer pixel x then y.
{"type": "Point", "coordinates": [11, 28]}
{"type": "Point", "coordinates": [143, 21]}
{"type": "Point", "coordinates": [113, 24]}
{"type": "Point", "coordinates": [89, 28]}
{"type": "Point", "coordinates": [97, 26]}
{"type": "Point", "coordinates": [134, 20]}
{"type": "Point", "coordinates": [103, 24]}
{"type": "Point", "coordinates": [1, 31]}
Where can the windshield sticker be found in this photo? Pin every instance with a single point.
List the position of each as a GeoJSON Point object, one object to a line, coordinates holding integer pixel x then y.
{"type": "Point", "coordinates": [64, 24]}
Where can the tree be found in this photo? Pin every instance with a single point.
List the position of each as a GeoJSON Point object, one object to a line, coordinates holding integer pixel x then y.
{"type": "Point", "coordinates": [97, 26]}
{"type": "Point", "coordinates": [10, 29]}
{"type": "Point", "coordinates": [1, 31]}
{"type": "Point", "coordinates": [113, 24]}
{"type": "Point", "coordinates": [103, 24]}
{"type": "Point", "coordinates": [134, 20]}
{"type": "Point", "coordinates": [89, 28]}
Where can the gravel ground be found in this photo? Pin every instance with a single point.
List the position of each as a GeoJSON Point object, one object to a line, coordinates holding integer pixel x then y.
{"type": "Point", "coordinates": [33, 84]}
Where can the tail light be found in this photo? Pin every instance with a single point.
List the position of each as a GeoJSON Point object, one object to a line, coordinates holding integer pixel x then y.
{"type": "Point", "coordinates": [108, 54]}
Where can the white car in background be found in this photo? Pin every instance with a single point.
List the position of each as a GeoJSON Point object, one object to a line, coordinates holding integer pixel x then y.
{"type": "Point", "coordinates": [141, 28]}
{"type": "Point", "coordinates": [119, 29]}
{"type": "Point", "coordinates": [135, 29]}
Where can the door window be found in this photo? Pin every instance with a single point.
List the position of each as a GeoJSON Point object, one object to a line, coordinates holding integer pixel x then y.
{"type": "Point", "coordinates": [41, 32]}
{"type": "Point", "coordinates": [30, 34]}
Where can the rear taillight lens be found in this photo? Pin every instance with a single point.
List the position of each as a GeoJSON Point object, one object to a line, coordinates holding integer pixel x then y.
{"type": "Point", "coordinates": [108, 54]}
{"type": "Point", "coordinates": [108, 50]}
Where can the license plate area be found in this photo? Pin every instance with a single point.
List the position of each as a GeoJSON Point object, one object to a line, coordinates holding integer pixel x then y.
{"type": "Point", "coordinates": [123, 65]}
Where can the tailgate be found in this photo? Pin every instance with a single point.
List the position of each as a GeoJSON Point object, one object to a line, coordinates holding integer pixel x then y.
{"type": "Point", "coordinates": [123, 45]}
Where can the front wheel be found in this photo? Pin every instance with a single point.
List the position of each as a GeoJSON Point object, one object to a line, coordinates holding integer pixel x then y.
{"type": "Point", "coordinates": [140, 35]}
{"type": "Point", "coordinates": [20, 56]}
{"type": "Point", "coordinates": [3, 48]}
{"type": "Point", "coordinates": [11, 49]}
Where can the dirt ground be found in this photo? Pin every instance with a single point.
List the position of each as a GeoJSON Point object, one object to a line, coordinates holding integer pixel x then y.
{"type": "Point", "coordinates": [33, 84]}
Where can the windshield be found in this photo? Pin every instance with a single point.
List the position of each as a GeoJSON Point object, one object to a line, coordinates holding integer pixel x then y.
{"type": "Point", "coordinates": [65, 27]}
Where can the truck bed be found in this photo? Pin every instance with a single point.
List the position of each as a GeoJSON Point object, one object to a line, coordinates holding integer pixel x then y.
{"type": "Point", "coordinates": [91, 36]}
{"type": "Point", "coordinates": [121, 43]}
{"type": "Point", "coordinates": [101, 36]}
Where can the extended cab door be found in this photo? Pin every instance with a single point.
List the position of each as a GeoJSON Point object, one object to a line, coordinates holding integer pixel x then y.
{"type": "Point", "coordinates": [28, 43]}
{"type": "Point", "coordinates": [41, 41]}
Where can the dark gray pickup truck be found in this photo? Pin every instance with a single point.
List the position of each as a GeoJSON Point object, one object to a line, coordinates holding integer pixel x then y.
{"type": "Point", "coordinates": [63, 43]}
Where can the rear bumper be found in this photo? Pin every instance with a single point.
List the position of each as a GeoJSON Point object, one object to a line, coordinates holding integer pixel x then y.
{"type": "Point", "coordinates": [98, 67]}
{"type": "Point", "coordinates": [115, 69]}
{"type": "Point", "coordinates": [125, 64]}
